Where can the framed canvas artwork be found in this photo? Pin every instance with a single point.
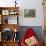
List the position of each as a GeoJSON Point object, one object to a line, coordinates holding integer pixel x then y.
{"type": "Point", "coordinates": [5, 12]}
{"type": "Point", "coordinates": [29, 13]}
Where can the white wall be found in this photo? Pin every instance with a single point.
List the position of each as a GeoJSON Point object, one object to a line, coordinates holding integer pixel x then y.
{"type": "Point", "coordinates": [38, 20]}
{"type": "Point", "coordinates": [7, 3]}
{"type": "Point", "coordinates": [27, 4]}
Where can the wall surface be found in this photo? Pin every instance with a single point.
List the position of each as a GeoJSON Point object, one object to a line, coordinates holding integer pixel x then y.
{"type": "Point", "coordinates": [27, 4]}
{"type": "Point", "coordinates": [38, 20]}
{"type": "Point", "coordinates": [37, 29]}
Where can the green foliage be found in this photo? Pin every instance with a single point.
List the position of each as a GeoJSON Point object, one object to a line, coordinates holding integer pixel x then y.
{"type": "Point", "coordinates": [29, 12]}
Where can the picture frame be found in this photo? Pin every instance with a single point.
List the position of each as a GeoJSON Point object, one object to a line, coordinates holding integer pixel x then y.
{"type": "Point", "coordinates": [5, 12]}
{"type": "Point", "coordinates": [29, 13]}
{"type": "Point", "coordinates": [13, 12]}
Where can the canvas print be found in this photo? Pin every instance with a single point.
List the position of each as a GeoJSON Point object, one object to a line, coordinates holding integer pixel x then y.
{"type": "Point", "coordinates": [29, 12]}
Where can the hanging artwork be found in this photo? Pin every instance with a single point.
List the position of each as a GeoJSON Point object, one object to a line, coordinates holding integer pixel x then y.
{"type": "Point", "coordinates": [29, 12]}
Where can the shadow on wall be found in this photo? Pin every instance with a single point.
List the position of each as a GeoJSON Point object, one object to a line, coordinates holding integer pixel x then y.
{"type": "Point", "coordinates": [37, 29]}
